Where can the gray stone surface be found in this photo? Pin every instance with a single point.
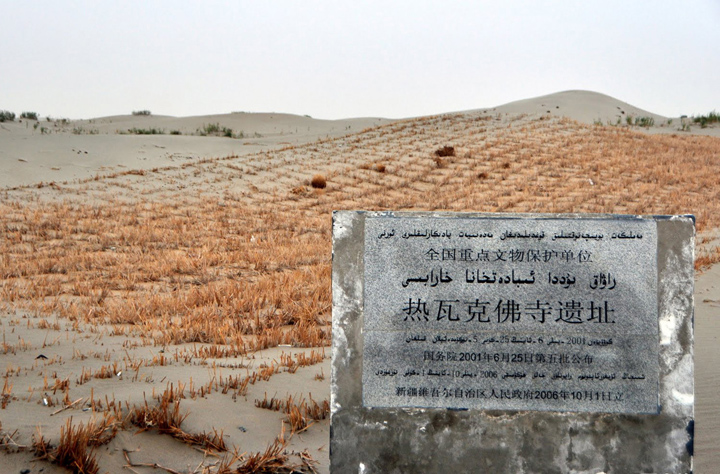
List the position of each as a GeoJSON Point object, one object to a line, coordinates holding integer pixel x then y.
{"type": "Point", "coordinates": [380, 423]}
{"type": "Point", "coordinates": [508, 313]}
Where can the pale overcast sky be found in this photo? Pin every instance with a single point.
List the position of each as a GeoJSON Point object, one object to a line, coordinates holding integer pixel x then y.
{"type": "Point", "coordinates": [335, 59]}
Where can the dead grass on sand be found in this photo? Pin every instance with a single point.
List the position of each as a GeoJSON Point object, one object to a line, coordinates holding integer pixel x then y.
{"type": "Point", "coordinates": [242, 262]}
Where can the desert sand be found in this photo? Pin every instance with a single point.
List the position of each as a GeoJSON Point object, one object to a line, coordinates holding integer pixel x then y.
{"type": "Point", "coordinates": [81, 149]}
{"type": "Point", "coordinates": [192, 272]}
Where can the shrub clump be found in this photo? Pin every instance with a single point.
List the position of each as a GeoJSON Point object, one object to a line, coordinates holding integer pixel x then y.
{"type": "Point", "coordinates": [644, 121]}
{"type": "Point", "coordinates": [318, 182]}
{"type": "Point", "coordinates": [29, 115]}
{"type": "Point", "coordinates": [141, 112]}
{"type": "Point", "coordinates": [83, 130]}
{"type": "Point", "coordinates": [146, 131]}
{"type": "Point", "coordinates": [215, 129]}
{"type": "Point", "coordinates": [6, 116]}
{"type": "Point", "coordinates": [445, 151]}
{"type": "Point", "coordinates": [704, 120]}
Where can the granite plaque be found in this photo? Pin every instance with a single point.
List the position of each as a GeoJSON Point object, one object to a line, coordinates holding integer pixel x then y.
{"type": "Point", "coordinates": [511, 314]}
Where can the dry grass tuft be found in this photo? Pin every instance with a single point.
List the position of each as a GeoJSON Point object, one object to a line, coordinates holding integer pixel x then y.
{"type": "Point", "coordinates": [298, 423]}
{"type": "Point", "coordinates": [274, 460]}
{"type": "Point", "coordinates": [299, 413]}
{"type": "Point", "coordinates": [707, 259]}
{"type": "Point", "coordinates": [72, 451]}
{"type": "Point", "coordinates": [166, 417]}
{"type": "Point", "coordinates": [6, 394]}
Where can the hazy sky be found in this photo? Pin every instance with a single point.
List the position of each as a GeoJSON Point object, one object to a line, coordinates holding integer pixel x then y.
{"type": "Point", "coordinates": [335, 59]}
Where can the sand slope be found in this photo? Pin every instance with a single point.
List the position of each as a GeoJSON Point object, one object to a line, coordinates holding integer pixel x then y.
{"type": "Point", "coordinates": [82, 149]}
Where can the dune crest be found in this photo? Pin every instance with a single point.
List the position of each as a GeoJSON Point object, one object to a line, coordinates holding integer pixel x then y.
{"type": "Point", "coordinates": [583, 106]}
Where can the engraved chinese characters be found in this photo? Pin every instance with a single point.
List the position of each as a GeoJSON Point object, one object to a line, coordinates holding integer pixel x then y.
{"type": "Point", "coordinates": [511, 313]}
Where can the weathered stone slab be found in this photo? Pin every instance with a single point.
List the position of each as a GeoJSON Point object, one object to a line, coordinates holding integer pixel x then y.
{"type": "Point", "coordinates": [511, 343]}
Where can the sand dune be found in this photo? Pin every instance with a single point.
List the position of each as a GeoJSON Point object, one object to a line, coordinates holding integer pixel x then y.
{"type": "Point", "coordinates": [583, 106]}
{"type": "Point", "coordinates": [217, 223]}
{"type": "Point", "coordinates": [81, 149]}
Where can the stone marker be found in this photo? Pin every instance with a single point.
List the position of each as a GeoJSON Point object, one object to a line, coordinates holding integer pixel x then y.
{"type": "Point", "coordinates": [512, 343]}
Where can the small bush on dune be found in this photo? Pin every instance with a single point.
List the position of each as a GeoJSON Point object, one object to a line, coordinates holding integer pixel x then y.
{"type": "Point", "coordinates": [441, 154]}
{"type": "Point", "coordinates": [141, 112]}
{"type": "Point", "coordinates": [445, 151]}
{"type": "Point", "coordinates": [644, 121]}
{"type": "Point", "coordinates": [704, 120]}
{"type": "Point", "coordinates": [85, 131]}
{"type": "Point", "coordinates": [6, 116]}
{"type": "Point", "coordinates": [211, 128]}
{"type": "Point", "coordinates": [318, 182]}
{"type": "Point", "coordinates": [29, 115]}
{"type": "Point", "coordinates": [146, 131]}
{"type": "Point", "coordinates": [215, 129]}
